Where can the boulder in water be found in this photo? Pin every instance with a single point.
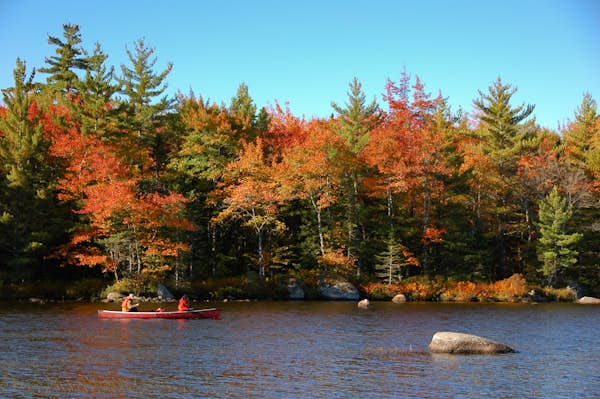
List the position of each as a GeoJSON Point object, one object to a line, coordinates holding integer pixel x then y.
{"type": "Point", "coordinates": [364, 304]}
{"type": "Point", "coordinates": [460, 343]}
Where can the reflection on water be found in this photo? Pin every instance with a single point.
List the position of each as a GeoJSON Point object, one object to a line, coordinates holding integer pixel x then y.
{"type": "Point", "coordinates": [298, 350]}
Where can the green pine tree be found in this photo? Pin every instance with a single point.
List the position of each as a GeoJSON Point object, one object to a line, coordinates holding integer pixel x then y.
{"type": "Point", "coordinates": [556, 247]}
{"type": "Point", "coordinates": [391, 264]}
{"type": "Point", "coordinates": [144, 107]}
{"type": "Point", "coordinates": [357, 118]}
{"type": "Point", "coordinates": [243, 107]}
{"type": "Point", "coordinates": [70, 57]}
{"type": "Point", "coordinates": [506, 136]}
{"type": "Point", "coordinates": [30, 218]}
{"type": "Point", "coordinates": [355, 121]}
{"type": "Point", "coordinates": [505, 130]}
{"type": "Point", "coordinates": [22, 137]}
{"type": "Point", "coordinates": [142, 85]}
{"type": "Point", "coordinates": [95, 110]}
{"type": "Point", "coordinates": [243, 116]}
{"type": "Point", "coordinates": [578, 136]}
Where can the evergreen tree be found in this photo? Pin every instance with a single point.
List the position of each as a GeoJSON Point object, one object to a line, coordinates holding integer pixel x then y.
{"type": "Point", "coordinates": [69, 58]}
{"type": "Point", "coordinates": [357, 118]}
{"type": "Point", "coordinates": [556, 247]}
{"type": "Point", "coordinates": [142, 86]}
{"type": "Point", "coordinates": [22, 136]}
{"type": "Point", "coordinates": [354, 123]}
{"type": "Point", "coordinates": [95, 110]}
{"type": "Point", "coordinates": [243, 107]}
{"type": "Point", "coordinates": [27, 201]}
{"type": "Point", "coordinates": [579, 134]}
{"type": "Point", "coordinates": [243, 116]}
{"type": "Point", "coordinates": [504, 130]}
{"type": "Point", "coordinates": [393, 261]}
{"type": "Point", "coordinates": [506, 136]}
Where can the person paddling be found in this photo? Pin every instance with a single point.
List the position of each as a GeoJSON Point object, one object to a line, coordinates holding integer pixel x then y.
{"type": "Point", "coordinates": [184, 305]}
{"type": "Point", "coordinates": [127, 305]}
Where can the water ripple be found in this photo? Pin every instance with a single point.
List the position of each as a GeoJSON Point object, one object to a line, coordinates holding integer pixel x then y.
{"type": "Point", "coordinates": [298, 350]}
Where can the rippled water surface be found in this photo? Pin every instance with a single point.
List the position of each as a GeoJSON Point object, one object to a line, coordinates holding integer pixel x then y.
{"type": "Point", "coordinates": [299, 350]}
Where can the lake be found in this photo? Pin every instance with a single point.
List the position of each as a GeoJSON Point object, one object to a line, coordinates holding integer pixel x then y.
{"type": "Point", "coordinates": [298, 350]}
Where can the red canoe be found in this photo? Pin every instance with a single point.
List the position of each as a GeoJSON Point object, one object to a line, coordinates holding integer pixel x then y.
{"type": "Point", "coordinates": [187, 314]}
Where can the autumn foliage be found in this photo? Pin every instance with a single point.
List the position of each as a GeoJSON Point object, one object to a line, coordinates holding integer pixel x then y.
{"type": "Point", "coordinates": [511, 289]}
{"type": "Point", "coordinates": [139, 184]}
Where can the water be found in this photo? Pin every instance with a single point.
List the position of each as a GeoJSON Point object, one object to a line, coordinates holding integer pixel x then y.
{"type": "Point", "coordinates": [299, 350]}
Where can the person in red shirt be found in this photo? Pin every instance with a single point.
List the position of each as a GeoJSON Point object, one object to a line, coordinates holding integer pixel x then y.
{"type": "Point", "coordinates": [127, 306]}
{"type": "Point", "coordinates": [183, 304]}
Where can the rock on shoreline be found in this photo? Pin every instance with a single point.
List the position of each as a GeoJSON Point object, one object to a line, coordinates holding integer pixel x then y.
{"type": "Point", "coordinates": [460, 343]}
{"type": "Point", "coordinates": [338, 289]}
{"type": "Point", "coordinates": [588, 300]}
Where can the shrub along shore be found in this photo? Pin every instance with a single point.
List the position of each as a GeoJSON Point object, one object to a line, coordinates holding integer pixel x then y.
{"type": "Point", "coordinates": [513, 289]}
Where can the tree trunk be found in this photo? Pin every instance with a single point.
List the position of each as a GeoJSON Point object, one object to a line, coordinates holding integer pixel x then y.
{"type": "Point", "coordinates": [355, 216]}
{"type": "Point", "coordinates": [321, 238]}
{"type": "Point", "coordinates": [389, 204]}
{"type": "Point", "coordinates": [261, 266]}
{"type": "Point", "coordinates": [319, 224]}
{"type": "Point", "coordinates": [426, 210]}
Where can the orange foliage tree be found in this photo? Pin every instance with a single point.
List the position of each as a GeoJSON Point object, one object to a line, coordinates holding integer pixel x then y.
{"type": "Point", "coordinates": [406, 152]}
{"type": "Point", "coordinates": [121, 229]}
{"type": "Point", "coordinates": [250, 192]}
{"type": "Point", "coordinates": [309, 172]}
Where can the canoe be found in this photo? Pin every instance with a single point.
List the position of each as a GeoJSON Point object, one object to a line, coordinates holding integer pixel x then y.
{"type": "Point", "coordinates": [187, 314]}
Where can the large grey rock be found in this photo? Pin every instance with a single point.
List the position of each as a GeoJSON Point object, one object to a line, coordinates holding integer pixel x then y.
{"type": "Point", "coordinates": [588, 300]}
{"type": "Point", "coordinates": [460, 343]}
{"type": "Point", "coordinates": [163, 292]}
{"type": "Point", "coordinates": [338, 289]}
{"type": "Point", "coordinates": [295, 289]}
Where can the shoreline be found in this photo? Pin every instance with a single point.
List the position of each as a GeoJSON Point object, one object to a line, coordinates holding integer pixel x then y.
{"type": "Point", "coordinates": [143, 300]}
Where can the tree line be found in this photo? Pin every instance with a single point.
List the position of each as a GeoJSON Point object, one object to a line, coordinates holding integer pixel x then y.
{"type": "Point", "coordinates": [99, 168]}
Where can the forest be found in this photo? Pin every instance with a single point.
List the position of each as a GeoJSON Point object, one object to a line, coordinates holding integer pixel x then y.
{"type": "Point", "coordinates": [106, 179]}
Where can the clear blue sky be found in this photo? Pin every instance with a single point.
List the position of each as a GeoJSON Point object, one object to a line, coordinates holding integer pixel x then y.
{"type": "Point", "coordinates": [306, 52]}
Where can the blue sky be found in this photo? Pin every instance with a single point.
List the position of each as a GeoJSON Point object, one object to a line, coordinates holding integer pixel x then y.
{"type": "Point", "coordinates": [306, 52]}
